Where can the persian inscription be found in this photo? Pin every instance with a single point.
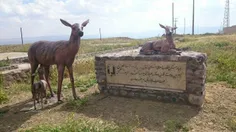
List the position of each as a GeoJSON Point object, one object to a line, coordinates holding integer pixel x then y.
{"type": "Point", "coordinates": [158, 74]}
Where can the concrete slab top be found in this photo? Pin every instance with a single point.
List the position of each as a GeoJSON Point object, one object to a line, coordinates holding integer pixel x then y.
{"type": "Point", "coordinates": [135, 53]}
{"type": "Point", "coordinates": [21, 67]}
{"type": "Point", "coordinates": [12, 55]}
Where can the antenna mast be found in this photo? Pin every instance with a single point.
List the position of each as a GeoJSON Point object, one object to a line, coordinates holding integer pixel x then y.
{"type": "Point", "coordinates": [226, 15]}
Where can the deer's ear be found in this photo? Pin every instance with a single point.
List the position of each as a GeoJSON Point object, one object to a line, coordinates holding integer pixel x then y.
{"type": "Point", "coordinates": [65, 23]}
{"type": "Point", "coordinates": [85, 23]}
{"type": "Point", "coordinates": [162, 26]}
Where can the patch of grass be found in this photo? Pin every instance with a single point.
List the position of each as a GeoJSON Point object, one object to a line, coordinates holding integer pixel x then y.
{"type": "Point", "coordinates": [18, 87]}
{"type": "Point", "coordinates": [84, 66]}
{"type": "Point", "coordinates": [221, 55]}
{"type": "Point", "coordinates": [14, 48]}
{"type": "Point", "coordinates": [15, 88]}
{"type": "Point", "coordinates": [87, 45]}
{"type": "Point", "coordinates": [83, 89]}
{"type": "Point", "coordinates": [1, 80]}
{"type": "Point", "coordinates": [232, 123]}
{"type": "Point", "coordinates": [221, 44]}
{"type": "Point", "coordinates": [3, 96]}
{"type": "Point", "coordinates": [4, 63]}
{"type": "Point", "coordinates": [83, 82]}
{"type": "Point", "coordinates": [81, 69]}
{"type": "Point", "coordinates": [76, 104]}
{"type": "Point", "coordinates": [174, 126]}
{"type": "Point", "coordinates": [81, 125]}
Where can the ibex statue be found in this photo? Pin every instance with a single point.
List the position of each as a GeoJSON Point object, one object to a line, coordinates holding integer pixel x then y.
{"type": "Point", "coordinates": [60, 53]}
{"type": "Point", "coordinates": [162, 46]}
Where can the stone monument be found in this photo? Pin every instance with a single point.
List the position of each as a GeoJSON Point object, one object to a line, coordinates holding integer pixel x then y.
{"type": "Point", "coordinates": [167, 76]}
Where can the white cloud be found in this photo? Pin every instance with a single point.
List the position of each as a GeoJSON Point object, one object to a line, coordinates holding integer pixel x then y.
{"type": "Point", "coordinates": [41, 17]}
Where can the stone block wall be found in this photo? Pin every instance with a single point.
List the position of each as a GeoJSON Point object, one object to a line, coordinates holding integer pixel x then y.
{"type": "Point", "coordinates": [193, 92]}
{"type": "Point", "coordinates": [15, 77]}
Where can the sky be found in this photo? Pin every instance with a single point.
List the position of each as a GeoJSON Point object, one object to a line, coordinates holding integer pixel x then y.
{"type": "Point", "coordinates": [42, 17]}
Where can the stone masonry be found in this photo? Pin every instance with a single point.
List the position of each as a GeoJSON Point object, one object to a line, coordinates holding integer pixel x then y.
{"type": "Point", "coordinates": [192, 93]}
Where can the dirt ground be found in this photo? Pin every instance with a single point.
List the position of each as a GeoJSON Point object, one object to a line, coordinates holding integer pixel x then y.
{"type": "Point", "coordinates": [219, 107]}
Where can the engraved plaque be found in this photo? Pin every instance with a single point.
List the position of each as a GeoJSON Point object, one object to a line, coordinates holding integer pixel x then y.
{"type": "Point", "coordinates": [155, 74]}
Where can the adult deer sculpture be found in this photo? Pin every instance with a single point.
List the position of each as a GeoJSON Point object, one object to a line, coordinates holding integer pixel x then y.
{"type": "Point", "coordinates": [162, 46]}
{"type": "Point", "coordinates": [61, 53]}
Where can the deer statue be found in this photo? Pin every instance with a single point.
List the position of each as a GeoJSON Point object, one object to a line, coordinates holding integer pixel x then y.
{"type": "Point", "coordinates": [162, 46]}
{"type": "Point", "coordinates": [60, 53]}
{"type": "Point", "coordinates": [39, 88]}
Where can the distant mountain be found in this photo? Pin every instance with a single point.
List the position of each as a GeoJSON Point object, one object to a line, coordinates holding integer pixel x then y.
{"type": "Point", "coordinates": [137, 35]}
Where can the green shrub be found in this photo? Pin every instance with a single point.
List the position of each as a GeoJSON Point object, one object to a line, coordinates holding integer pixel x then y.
{"type": "Point", "coordinates": [221, 55]}
{"type": "Point", "coordinates": [3, 96]}
{"type": "Point", "coordinates": [4, 63]}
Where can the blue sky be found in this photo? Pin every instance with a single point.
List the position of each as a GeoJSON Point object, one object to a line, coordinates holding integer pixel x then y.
{"type": "Point", "coordinates": [41, 17]}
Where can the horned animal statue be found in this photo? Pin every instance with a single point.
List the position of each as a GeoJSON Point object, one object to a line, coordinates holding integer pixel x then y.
{"type": "Point", "coordinates": [160, 46]}
{"type": "Point", "coordinates": [60, 53]}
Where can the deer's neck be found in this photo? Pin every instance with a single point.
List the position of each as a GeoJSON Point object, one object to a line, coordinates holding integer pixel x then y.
{"type": "Point", "coordinates": [42, 77]}
{"type": "Point", "coordinates": [74, 43]}
{"type": "Point", "coordinates": [170, 40]}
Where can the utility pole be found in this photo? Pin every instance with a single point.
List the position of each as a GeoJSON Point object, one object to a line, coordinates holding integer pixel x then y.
{"type": "Point", "coordinates": [21, 35]}
{"type": "Point", "coordinates": [173, 14]}
{"type": "Point", "coordinates": [193, 19]}
{"type": "Point", "coordinates": [226, 20]}
{"type": "Point", "coordinates": [175, 24]}
{"type": "Point", "coordinates": [100, 33]}
{"type": "Point", "coordinates": [184, 26]}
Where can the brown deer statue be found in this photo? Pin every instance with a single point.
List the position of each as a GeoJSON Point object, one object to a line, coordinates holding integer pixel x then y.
{"type": "Point", "coordinates": [60, 53]}
{"type": "Point", "coordinates": [39, 88]}
{"type": "Point", "coordinates": [161, 46]}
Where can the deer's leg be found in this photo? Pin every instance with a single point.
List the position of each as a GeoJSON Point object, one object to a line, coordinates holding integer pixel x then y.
{"type": "Point", "coordinates": [42, 101]}
{"type": "Point", "coordinates": [60, 70]}
{"type": "Point", "coordinates": [34, 102]}
{"type": "Point", "coordinates": [34, 66]}
{"type": "Point", "coordinates": [70, 69]}
{"type": "Point", "coordinates": [165, 48]}
{"type": "Point", "coordinates": [46, 68]}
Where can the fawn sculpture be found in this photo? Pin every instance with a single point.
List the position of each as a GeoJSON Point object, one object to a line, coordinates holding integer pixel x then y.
{"type": "Point", "coordinates": [60, 53]}
{"type": "Point", "coordinates": [161, 46]}
{"type": "Point", "coordinates": [39, 88]}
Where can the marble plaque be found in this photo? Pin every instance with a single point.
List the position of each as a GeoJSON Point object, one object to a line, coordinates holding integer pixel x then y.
{"type": "Point", "coordinates": [155, 74]}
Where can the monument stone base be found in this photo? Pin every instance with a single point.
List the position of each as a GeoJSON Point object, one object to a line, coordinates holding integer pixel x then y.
{"type": "Point", "coordinates": [169, 78]}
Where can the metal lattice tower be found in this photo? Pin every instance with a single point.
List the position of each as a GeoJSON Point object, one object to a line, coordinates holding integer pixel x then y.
{"type": "Point", "coordinates": [226, 14]}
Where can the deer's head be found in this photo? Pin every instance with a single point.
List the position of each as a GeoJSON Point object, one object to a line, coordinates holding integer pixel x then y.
{"type": "Point", "coordinates": [169, 30]}
{"type": "Point", "coordinates": [77, 31]}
